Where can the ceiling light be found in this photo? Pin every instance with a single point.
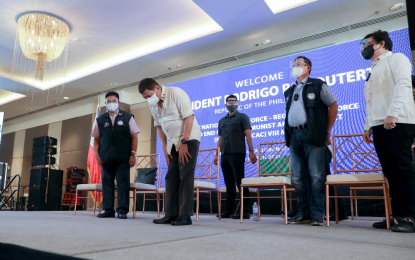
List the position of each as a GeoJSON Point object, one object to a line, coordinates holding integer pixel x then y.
{"type": "Point", "coordinates": [265, 42]}
{"type": "Point", "coordinates": [178, 66]}
{"type": "Point", "coordinates": [397, 6]}
{"type": "Point", "coordinates": [41, 26]}
{"type": "Point", "coordinates": [65, 97]}
{"type": "Point", "coordinates": [278, 6]}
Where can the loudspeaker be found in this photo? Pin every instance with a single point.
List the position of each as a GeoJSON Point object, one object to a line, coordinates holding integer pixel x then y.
{"type": "Point", "coordinates": [44, 150]}
{"type": "Point", "coordinates": [44, 140]}
{"type": "Point", "coordinates": [39, 179]}
{"type": "Point", "coordinates": [37, 199]}
{"type": "Point", "coordinates": [37, 189]}
{"type": "Point", "coordinates": [3, 175]}
{"type": "Point", "coordinates": [43, 160]}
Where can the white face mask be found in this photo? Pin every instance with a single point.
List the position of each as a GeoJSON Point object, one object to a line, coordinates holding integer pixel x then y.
{"type": "Point", "coordinates": [297, 72]}
{"type": "Point", "coordinates": [153, 100]}
{"type": "Point", "coordinates": [112, 107]}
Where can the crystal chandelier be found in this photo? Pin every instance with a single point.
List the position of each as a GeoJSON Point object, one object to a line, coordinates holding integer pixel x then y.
{"type": "Point", "coordinates": [42, 38]}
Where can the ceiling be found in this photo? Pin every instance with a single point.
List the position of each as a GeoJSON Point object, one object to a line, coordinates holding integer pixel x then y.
{"type": "Point", "coordinates": [124, 41]}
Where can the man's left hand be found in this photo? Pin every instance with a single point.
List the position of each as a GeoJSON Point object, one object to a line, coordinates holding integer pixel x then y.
{"type": "Point", "coordinates": [184, 154]}
{"type": "Point", "coordinates": [132, 161]}
{"type": "Point", "coordinates": [328, 139]}
{"type": "Point", "coordinates": [390, 122]}
{"type": "Point", "coordinates": [252, 157]}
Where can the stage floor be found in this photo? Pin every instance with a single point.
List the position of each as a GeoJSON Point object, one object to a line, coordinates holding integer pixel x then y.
{"type": "Point", "coordinates": [86, 236]}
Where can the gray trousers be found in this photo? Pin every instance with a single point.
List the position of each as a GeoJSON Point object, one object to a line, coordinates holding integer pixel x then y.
{"type": "Point", "coordinates": [180, 182]}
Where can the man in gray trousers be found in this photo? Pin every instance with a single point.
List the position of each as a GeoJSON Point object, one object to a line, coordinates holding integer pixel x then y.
{"type": "Point", "coordinates": [180, 135]}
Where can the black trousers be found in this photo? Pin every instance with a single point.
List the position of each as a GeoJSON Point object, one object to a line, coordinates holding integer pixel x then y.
{"type": "Point", "coordinates": [393, 148]}
{"type": "Point", "coordinates": [180, 181]}
{"type": "Point", "coordinates": [233, 169]}
{"type": "Point", "coordinates": [120, 171]}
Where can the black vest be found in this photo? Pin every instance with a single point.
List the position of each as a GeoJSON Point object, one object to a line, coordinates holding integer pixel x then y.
{"type": "Point", "coordinates": [316, 111]}
{"type": "Point", "coordinates": [115, 141]}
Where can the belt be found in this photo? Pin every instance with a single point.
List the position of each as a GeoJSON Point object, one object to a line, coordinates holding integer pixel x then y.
{"type": "Point", "coordinates": [296, 128]}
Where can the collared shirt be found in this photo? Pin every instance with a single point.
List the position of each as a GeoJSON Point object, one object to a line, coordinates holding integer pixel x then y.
{"type": "Point", "coordinates": [133, 125]}
{"type": "Point", "coordinates": [231, 129]}
{"type": "Point", "coordinates": [388, 90]}
{"type": "Point", "coordinates": [171, 117]}
{"type": "Point", "coordinates": [297, 115]}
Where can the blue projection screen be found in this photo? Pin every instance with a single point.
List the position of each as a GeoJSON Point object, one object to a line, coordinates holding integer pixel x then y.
{"type": "Point", "coordinates": [260, 89]}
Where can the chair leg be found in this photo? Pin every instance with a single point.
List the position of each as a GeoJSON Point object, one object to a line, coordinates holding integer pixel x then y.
{"type": "Point", "coordinates": [327, 206]}
{"type": "Point", "coordinates": [95, 201]}
{"type": "Point", "coordinates": [144, 202]}
{"type": "Point", "coordinates": [385, 193]}
{"type": "Point", "coordinates": [197, 204]}
{"type": "Point", "coordinates": [285, 205]}
{"type": "Point", "coordinates": [99, 203]}
{"type": "Point", "coordinates": [242, 204]}
{"type": "Point", "coordinates": [158, 203]}
{"type": "Point", "coordinates": [219, 197]}
{"type": "Point", "coordinates": [282, 204]}
{"type": "Point", "coordinates": [336, 206]}
{"type": "Point", "coordinates": [351, 204]}
{"type": "Point", "coordinates": [164, 195]}
{"type": "Point", "coordinates": [210, 197]}
{"type": "Point", "coordinates": [259, 208]}
{"type": "Point", "coordinates": [355, 204]}
{"type": "Point", "coordinates": [76, 200]}
{"type": "Point", "coordinates": [389, 199]}
{"type": "Point", "coordinates": [134, 202]}
{"type": "Point", "coordinates": [291, 200]}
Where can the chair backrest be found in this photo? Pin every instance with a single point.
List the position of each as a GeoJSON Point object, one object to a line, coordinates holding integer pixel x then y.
{"type": "Point", "coordinates": [273, 159]}
{"type": "Point", "coordinates": [251, 170]}
{"type": "Point", "coordinates": [206, 169]}
{"type": "Point", "coordinates": [148, 161]}
{"type": "Point", "coordinates": [352, 155]}
{"type": "Point", "coordinates": [162, 179]}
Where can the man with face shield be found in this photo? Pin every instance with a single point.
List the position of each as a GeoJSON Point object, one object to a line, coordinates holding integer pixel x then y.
{"type": "Point", "coordinates": [390, 118]}
{"type": "Point", "coordinates": [115, 144]}
{"type": "Point", "coordinates": [311, 111]}
{"type": "Point", "coordinates": [180, 136]}
{"type": "Point", "coordinates": [232, 131]}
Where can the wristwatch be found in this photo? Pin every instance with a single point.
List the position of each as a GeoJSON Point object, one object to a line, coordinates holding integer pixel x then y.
{"type": "Point", "coordinates": [251, 149]}
{"type": "Point", "coordinates": [184, 141]}
{"type": "Point", "coordinates": [133, 153]}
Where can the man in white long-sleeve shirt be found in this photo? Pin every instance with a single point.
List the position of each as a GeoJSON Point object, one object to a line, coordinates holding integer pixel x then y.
{"type": "Point", "coordinates": [390, 117]}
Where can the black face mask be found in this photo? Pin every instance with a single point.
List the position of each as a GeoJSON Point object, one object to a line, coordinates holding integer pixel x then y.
{"type": "Point", "coordinates": [368, 52]}
{"type": "Point", "coordinates": [232, 108]}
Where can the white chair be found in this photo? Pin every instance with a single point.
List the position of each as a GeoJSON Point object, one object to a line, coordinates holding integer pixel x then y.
{"type": "Point", "coordinates": [95, 188]}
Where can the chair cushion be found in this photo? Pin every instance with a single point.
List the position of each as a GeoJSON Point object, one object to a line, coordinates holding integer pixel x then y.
{"type": "Point", "coordinates": [355, 177]}
{"type": "Point", "coordinates": [223, 189]}
{"type": "Point", "coordinates": [267, 180]}
{"type": "Point", "coordinates": [162, 190]}
{"type": "Point", "coordinates": [92, 186]}
{"type": "Point", "coordinates": [142, 186]}
{"type": "Point", "coordinates": [204, 184]}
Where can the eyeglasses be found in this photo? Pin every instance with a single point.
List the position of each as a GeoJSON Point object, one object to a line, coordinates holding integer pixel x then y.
{"type": "Point", "coordinates": [299, 64]}
{"type": "Point", "coordinates": [364, 43]}
{"type": "Point", "coordinates": [114, 101]}
{"type": "Point", "coordinates": [232, 102]}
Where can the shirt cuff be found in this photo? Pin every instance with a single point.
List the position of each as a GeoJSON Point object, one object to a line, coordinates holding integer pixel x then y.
{"type": "Point", "coordinates": [393, 112]}
{"type": "Point", "coordinates": [186, 115]}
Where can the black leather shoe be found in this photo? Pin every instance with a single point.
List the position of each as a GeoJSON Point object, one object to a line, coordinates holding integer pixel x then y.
{"type": "Point", "coordinates": [316, 220]}
{"type": "Point", "coordinates": [292, 213]}
{"type": "Point", "coordinates": [382, 224]}
{"type": "Point", "coordinates": [164, 220]}
{"type": "Point", "coordinates": [226, 214]}
{"type": "Point", "coordinates": [299, 219]}
{"type": "Point", "coordinates": [341, 217]}
{"type": "Point", "coordinates": [106, 214]}
{"type": "Point", "coordinates": [182, 221]}
{"type": "Point", "coordinates": [406, 225]}
{"type": "Point", "coordinates": [238, 216]}
{"type": "Point", "coordinates": [122, 216]}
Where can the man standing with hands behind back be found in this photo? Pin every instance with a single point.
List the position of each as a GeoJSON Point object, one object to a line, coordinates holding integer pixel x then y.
{"type": "Point", "coordinates": [232, 130]}
{"type": "Point", "coordinates": [115, 144]}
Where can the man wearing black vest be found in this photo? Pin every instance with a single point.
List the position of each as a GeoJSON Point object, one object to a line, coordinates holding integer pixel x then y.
{"type": "Point", "coordinates": [115, 144]}
{"type": "Point", "coordinates": [311, 111]}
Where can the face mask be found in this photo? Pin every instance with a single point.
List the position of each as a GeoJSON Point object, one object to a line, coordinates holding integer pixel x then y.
{"type": "Point", "coordinates": [368, 52]}
{"type": "Point", "coordinates": [112, 107]}
{"type": "Point", "coordinates": [153, 100]}
{"type": "Point", "coordinates": [297, 72]}
{"type": "Point", "coordinates": [232, 108]}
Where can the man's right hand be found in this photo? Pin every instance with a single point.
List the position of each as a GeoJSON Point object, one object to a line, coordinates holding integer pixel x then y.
{"type": "Point", "coordinates": [366, 137]}
{"type": "Point", "coordinates": [167, 156]}
{"type": "Point", "coordinates": [215, 161]}
{"type": "Point", "coordinates": [99, 161]}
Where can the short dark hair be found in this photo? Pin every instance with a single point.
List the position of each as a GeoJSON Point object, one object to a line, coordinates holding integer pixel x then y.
{"type": "Point", "coordinates": [306, 61]}
{"type": "Point", "coordinates": [112, 93]}
{"type": "Point", "coordinates": [231, 96]}
{"type": "Point", "coordinates": [147, 84]}
{"type": "Point", "coordinates": [379, 36]}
